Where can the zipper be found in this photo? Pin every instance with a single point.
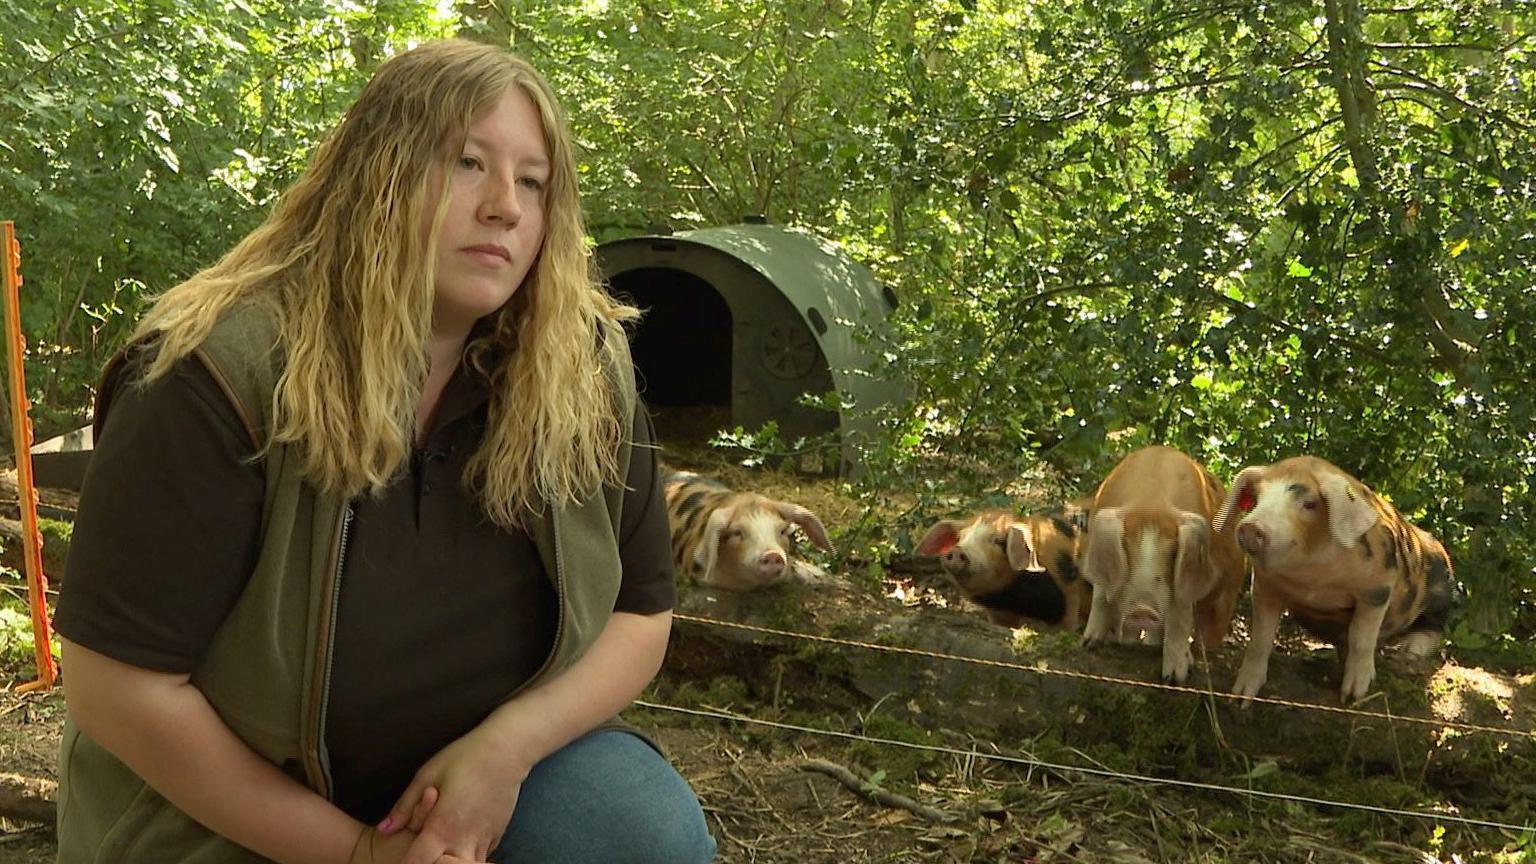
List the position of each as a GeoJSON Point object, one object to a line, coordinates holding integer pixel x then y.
{"type": "Point", "coordinates": [320, 687]}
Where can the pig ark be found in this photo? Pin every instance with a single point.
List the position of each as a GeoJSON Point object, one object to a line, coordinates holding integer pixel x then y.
{"type": "Point", "coordinates": [734, 540]}
{"type": "Point", "coordinates": [1347, 565]}
{"type": "Point", "coordinates": [1154, 563]}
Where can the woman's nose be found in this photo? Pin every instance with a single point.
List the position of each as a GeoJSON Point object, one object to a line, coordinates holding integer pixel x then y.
{"type": "Point", "coordinates": [501, 203]}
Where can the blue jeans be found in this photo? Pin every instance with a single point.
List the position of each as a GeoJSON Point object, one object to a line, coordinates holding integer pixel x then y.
{"type": "Point", "coordinates": [606, 798]}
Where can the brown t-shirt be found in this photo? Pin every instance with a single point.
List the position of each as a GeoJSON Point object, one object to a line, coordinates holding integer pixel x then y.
{"type": "Point", "coordinates": [441, 613]}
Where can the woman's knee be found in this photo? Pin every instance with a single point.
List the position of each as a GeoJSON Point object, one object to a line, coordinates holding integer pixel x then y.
{"type": "Point", "coordinates": [607, 797]}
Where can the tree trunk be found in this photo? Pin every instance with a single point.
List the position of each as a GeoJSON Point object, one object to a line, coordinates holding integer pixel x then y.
{"type": "Point", "coordinates": [1409, 254]}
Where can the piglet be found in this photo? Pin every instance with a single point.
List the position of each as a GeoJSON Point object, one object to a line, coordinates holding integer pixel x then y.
{"type": "Point", "coordinates": [1349, 568]}
{"type": "Point", "coordinates": [1021, 571]}
{"type": "Point", "coordinates": [739, 541]}
{"type": "Point", "coordinates": [1155, 565]}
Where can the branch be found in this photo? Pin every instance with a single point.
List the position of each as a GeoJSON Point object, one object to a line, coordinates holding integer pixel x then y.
{"type": "Point", "coordinates": [875, 793]}
{"type": "Point", "coordinates": [81, 44]}
{"type": "Point", "coordinates": [1452, 342]}
{"type": "Point", "coordinates": [1280, 323]}
{"type": "Point", "coordinates": [1067, 289]}
{"type": "Point", "coordinates": [1343, 29]}
{"type": "Point", "coordinates": [1190, 13]}
{"type": "Point", "coordinates": [1327, 161]}
{"type": "Point", "coordinates": [1434, 108]}
{"type": "Point", "coordinates": [1294, 139]}
{"type": "Point", "coordinates": [1420, 85]}
{"type": "Point", "coordinates": [1430, 46]}
{"type": "Point", "coordinates": [1192, 84]}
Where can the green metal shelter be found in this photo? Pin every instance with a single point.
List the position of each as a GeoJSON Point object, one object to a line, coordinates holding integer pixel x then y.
{"type": "Point", "coordinates": [748, 318]}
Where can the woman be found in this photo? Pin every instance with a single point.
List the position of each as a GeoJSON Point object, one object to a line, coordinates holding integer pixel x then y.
{"type": "Point", "coordinates": [371, 542]}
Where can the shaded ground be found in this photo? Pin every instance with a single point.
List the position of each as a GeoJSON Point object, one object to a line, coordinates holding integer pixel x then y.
{"type": "Point", "coordinates": [764, 806]}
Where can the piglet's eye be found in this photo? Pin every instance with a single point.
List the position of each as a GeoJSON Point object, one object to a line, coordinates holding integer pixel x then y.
{"type": "Point", "coordinates": [1309, 505]}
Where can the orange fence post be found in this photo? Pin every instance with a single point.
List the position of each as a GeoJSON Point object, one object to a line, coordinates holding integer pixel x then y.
{"type": "Point", "coordinates": [21, 433]}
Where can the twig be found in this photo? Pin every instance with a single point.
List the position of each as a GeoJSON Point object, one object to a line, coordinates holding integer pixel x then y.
{"type": "Point", "coordinates": [1419, 855]}
{"type": "Point", "coordinates": [879, 796]}
{"type": "Point", "coordinates": [1304, 843]}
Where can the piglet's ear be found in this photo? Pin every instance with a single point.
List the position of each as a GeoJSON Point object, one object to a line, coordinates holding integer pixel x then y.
{"type": "Point", "coordinates": [941, 538]}
{"type": "Point", "coordinates": [1021, 548]}
{"type": "Point", "coordinates": [1192, 565]}
{"type": "Point", "coordinates": [1350, 513]}
{"type": "Point", "coordinates": [1104, 558]}
{"type": "Point", "coordinates": [708, 550]}
{"type": "Point", "coordinates": [1230, 512]}
{"type": "Point", "coordinates": [807, 521]}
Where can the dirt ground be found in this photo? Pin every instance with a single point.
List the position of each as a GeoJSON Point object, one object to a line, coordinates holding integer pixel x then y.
{"type": "Point", "coordinates": [953, 803]}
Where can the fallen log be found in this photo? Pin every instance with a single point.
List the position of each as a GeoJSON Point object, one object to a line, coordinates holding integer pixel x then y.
{"type": "Point", "coordinates": [28, 799]}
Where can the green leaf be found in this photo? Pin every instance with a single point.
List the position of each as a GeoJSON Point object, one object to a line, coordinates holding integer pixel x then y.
{"type": "Point", "coordinates": [1262, 770]}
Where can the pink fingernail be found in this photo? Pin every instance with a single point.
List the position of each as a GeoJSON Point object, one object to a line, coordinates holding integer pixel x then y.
{"type": "Point", "coordinates": [388, 823]}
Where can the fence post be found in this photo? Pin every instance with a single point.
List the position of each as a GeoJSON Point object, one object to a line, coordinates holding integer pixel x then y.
{"type": "Point", "coordinates": [26, 490]}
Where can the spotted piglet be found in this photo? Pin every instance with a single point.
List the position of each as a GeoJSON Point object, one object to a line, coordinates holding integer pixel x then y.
{"type": "Point", "coordinates": [1154, 562]}
{"type": "Point", "coordinates": [1348, 567]}
{"type": "Point", "coordinates": [1021, 571]}
{"type": "Point", "coordinates": [734, 540]}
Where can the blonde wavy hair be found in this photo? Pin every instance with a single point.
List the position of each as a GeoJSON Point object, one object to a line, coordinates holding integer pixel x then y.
{"type": "Point", "coordinates": [348, 273]}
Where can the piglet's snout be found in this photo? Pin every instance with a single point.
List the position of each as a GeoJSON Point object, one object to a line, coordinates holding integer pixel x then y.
{"type": "Point", "coordinates": [1143, 617]}
{"type": "Point", "coordinates": [956, 561]}
{"type": "Point", "coordinates": [1252, 538]}
{"type": "Point", "coordinates": [771, 563]}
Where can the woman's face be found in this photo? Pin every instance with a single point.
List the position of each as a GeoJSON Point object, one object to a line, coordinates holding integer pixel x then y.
{"type": "Point", "coordinates": [494, 224]}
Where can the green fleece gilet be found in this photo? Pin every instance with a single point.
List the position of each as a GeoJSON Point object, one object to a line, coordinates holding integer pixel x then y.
{"type": "Point", "coordinates": [266, 669]}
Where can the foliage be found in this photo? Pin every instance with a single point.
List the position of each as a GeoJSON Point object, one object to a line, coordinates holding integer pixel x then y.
{"type": "Point", "coordinates": [17, 657]}
{"type": "Point", "coordinates": [145, 137]}
{"type": "Point", "coordinates": [1247, 230]}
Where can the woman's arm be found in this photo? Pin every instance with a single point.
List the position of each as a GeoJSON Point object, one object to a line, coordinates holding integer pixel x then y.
{"type": "Point", "coordinates": [162, 727]}
{"type": "Point", "coordinates": [618, 666]}
{"type": "Point", "coordinates": [477, 778]}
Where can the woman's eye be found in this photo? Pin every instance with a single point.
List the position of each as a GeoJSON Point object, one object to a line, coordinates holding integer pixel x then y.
{"type": "Point", "coordinates": [470, 162]}
{"type": "Point", "coordinates": [533, 183]}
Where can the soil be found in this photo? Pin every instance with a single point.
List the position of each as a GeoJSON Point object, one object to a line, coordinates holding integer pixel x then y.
{"type": "Point", "coordinates": [892, 680]}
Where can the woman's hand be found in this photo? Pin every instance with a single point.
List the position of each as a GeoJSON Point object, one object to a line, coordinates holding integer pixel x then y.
{"type": "Point", "coordinates": [374, 846]}
{"type": "Point", "coordinates": [461, 800]}
{"type": "Point", "coordinates": [476, 779]}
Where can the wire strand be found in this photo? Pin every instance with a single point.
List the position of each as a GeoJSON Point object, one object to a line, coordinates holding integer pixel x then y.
{"type": "Point", "coordinates": [1101, 772]}
{"type": "Point", "coordinates": [1108, 679]}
